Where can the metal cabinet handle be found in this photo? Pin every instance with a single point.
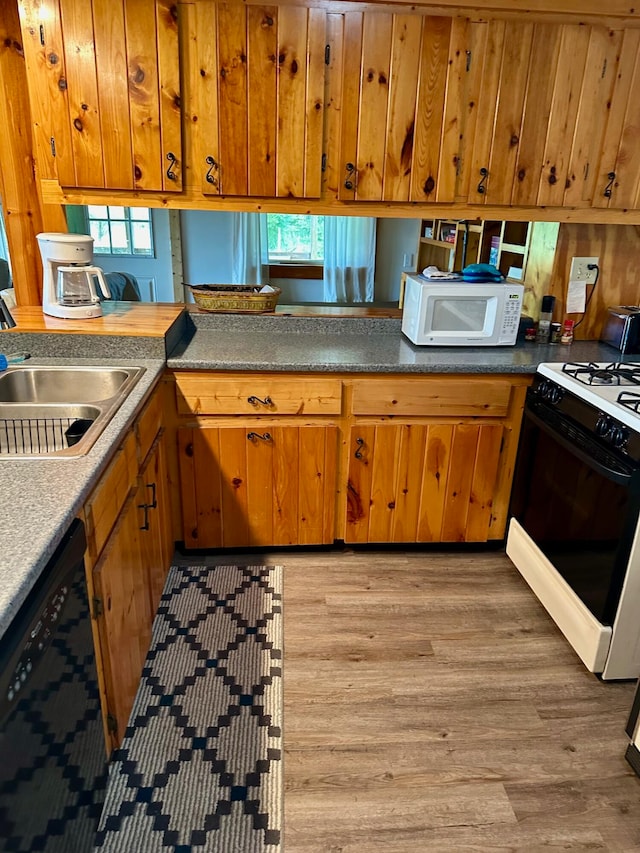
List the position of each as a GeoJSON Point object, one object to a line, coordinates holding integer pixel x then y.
{"type": "Point", "coordinates": [361, 443]}
{"type": "Point", "coordinates": [213, 167]}
{"type": "Point", "coordinates": [145, 524]}
{"type": "Point", "coordinates": [154, 502]}
{"type": "Point", "coordinates": [609, 188]}
{"type": "Point", "coordinates": [171, 157]}
{"type": "Point", "coordinates": [257, 401]}
{"type": "Point", "coordinates": [352, 177]}
{"type": "Point", "coordinates": [484, 174]}
{"type": "Point", "coordinates": [266, 436]}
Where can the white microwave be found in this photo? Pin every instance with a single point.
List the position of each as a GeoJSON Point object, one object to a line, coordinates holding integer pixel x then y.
{"type": "Point", "coordinates": [460, 313]}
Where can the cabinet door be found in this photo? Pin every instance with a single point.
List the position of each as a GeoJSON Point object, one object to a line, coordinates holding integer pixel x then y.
{"type": "Point", "coordinates": [260, 99]}
{"type": "Point", "coordinates": [155, 523]}
{"type": "Point", "coordinates": [104, 92]}
{"type": "Point", "coordinates": [124, 614]}
{"type": "Point", "coordinates": [260, 485]}
{"type": "Point", "coordinates": [400, 133]}
{"type": "Point", "coordinates": [618, 180]}
{"type": "Point", "coordinates": [584, 79]}
{"type": "Point", "coordinates": [422, 482]}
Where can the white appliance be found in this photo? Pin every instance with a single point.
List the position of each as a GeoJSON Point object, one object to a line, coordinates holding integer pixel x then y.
{"type": "Point", "coordinates": [69, 277]}
{"type": "Point", "coordinates": [574, 534]}
{"type": "Point", "coordinates": [445, 313]}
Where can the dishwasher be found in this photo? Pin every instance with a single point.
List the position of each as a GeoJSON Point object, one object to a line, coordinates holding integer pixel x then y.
{"type": "Point", "coordinates": [53, 765]}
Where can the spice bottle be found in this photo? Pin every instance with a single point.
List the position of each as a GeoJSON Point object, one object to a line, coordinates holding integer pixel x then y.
{"type": "Point", "coordinates": [556, 333]}
{"type": "Point", "coordinates": [567, 332]}
{"type": "Point", "coordinates": [544, 323]}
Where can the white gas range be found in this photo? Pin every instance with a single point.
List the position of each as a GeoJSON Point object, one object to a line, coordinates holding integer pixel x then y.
{"type": "Point", "coordinates": [573, 533]}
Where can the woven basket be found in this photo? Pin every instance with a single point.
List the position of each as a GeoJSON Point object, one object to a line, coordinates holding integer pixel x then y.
{"type": "Point", "coordinates": [234, 298]}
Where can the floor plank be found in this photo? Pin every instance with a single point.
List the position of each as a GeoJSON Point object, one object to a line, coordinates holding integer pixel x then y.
{"type": "Point", "coordinates": [432, 705]}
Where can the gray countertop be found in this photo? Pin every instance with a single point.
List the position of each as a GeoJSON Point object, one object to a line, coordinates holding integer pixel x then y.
{"type": "Point", "coordinates": [41, 497]}
{"type": "Point", "coordinates": [220, 342]}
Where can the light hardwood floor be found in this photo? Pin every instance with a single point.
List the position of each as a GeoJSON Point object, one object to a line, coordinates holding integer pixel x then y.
{"type": "Point", "coordinates": [432, 705]}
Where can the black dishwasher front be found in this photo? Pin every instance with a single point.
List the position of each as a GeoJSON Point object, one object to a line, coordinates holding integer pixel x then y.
{"type": "Point", "coordinates": [53, 765]}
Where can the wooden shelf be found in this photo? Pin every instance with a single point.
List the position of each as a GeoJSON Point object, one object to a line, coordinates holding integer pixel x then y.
{"type": "Point", "coordinates": [441, 244]}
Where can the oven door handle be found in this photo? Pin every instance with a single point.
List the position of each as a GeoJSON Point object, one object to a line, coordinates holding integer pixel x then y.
{"type": "Point", "coordinates": [621, 477]}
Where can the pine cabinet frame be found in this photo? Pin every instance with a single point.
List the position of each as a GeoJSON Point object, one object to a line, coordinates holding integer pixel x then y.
{"type": "Point", "coordinates": [129, 551]}
{"type": "Point", "coordinates": [398, 458]}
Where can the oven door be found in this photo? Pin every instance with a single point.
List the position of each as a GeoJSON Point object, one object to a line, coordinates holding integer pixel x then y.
{"type": "Point", "coordinates": [575, 508]}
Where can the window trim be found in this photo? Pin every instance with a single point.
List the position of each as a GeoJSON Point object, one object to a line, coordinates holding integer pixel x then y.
{"type": "Point", "coordinates": [127, 220]}
{"type": "Point", "coordinates": [294, 269]}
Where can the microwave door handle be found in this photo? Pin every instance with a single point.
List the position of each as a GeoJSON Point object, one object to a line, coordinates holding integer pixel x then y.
{"type": "Point", "coordinates": [620, 477]}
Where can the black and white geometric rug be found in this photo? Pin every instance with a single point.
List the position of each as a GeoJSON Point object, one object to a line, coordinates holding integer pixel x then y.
{"type": "Point", "coordinates": [200, 766]}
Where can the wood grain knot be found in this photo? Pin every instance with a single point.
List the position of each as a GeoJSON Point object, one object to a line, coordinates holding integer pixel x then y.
{"type": "Point", "coordinates": [203, 73]}
{"type": "Point", "coordinates": [294, 66]}
{"type": "Point", "coordinates": [521, 174]}
{"type": "Point", "coordinates": [382, 79]}
{"type": "Point", "coordinates": [236, 482]}
{"type": "Point", "coordinates": [53, 58]}
{"type": "Point", "coordinates": [429, 185]}
{"type": "Point", "coordinates": [138, 76]}
{"type": "Point", "coordinates": [514, 139]}
{"type": "Point", "coordinates": [77, 123]}
{"type": "Point", "coordinates": [85, 107]}
{"type": "Point", "coordinates": [267, 21]}
{"type": "Point", "coordinates": [370, 76]}
{"type": "Point", "coordinates": [137, 171]}
{"type": "Point", "coordinates": [62, 84]}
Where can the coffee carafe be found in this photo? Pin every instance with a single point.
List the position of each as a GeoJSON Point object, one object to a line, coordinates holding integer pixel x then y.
{"type": "Point", "coordinates": [69, 282]}
{"type": "Point", "coordinates": [76, 285]}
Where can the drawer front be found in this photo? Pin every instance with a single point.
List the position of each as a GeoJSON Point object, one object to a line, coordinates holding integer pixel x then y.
{"type": "Point", "coordinates": [104, 506]}
{"type": "Point", "coordinates": [148, 424]}
{"type": "Point", "coordinates": [455, 397]}
{"type": "Point", "coordinates": [257, 395]}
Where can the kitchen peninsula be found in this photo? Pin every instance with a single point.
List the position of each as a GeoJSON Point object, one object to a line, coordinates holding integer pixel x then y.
{"type": "Point", "coordinates": [41, 496]}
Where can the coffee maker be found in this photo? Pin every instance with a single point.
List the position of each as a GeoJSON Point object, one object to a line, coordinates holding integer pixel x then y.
{"type": "Point", "coordinates": [69, 288]}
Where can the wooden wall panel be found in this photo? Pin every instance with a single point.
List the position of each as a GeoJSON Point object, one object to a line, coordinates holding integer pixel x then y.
{"type": "Point", "coordinates": [45, 64]}
{"type": "Point", "coordinates": [261, 93]}
{"type": "Point", "coordinates": [434, 53]}
{"type": "Point", "coordinates": [232, 75]}
{"type": "Point", "coordinates": [537, 108]}
{"type": "Point", "coordinates": [109, 28]}
{"type": "Point", "coordinates": [169, 93]}
{"type": "Point", "coordinates": [374, 96]}
{"type": "Point", "coordinates": [351, 63]}
{"type": "Point", "coordinates": [618, 247]}
{"type": "Point", "coordinates": [405, 56]}
{"type": "Point", "coordinates": [292, 100]}
{"type": "Point", "coordinates": [144, 99]}
{"type": "Point", "coordinates": [205, 124]}
{"type": "Point", "coordinates": [80, 60]}
{"type": "Point", "coordinates": [564, 110]}
{"type": "Point", "coordinates": [316, 41]}
{"type": "Point", "coordinates": [21, 204]}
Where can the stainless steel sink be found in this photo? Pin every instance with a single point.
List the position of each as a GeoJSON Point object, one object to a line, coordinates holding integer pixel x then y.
{"type": "Point", "coordinates": [62, 384]}
{"type": "Point", "coordinates": [59, 411]}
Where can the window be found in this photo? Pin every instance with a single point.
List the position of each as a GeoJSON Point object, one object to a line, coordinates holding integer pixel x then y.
{"type": "Point", "coordinates": [295, 245]}
{"type": "Point", "coordinates": [120, 230]}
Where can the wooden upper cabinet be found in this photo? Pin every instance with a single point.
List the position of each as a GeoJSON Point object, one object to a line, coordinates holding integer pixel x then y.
{"type": "Point", "coordinates": [400, 130]}
{"type": "Point", "coordinates": [260, 99]}
{"type": "Point", "coordinates": [104, 88]}
{"type": "Point", "coordinates": [618, 176]}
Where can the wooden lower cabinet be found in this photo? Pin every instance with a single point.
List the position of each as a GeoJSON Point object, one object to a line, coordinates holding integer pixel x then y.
{"type": "Point", "coordinates": [122, 606]}
{"type": "Point", "coordinates": [257, 484]}
{"type": "Point", "coordinates": [130, 546]}
{"type": "Point", "coordinates": [422, 482]}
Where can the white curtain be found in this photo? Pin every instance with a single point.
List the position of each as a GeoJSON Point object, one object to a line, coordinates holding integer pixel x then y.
{"type": "Point", "coordinates": [349, 258]}
{"type": "Point", "coordinates": [250, 256]}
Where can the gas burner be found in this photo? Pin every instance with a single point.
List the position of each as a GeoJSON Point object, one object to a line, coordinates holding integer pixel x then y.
{"type": "Point", "coordinates": [616, 373]}
{"type": "Point", "coordinates": [630, 400]}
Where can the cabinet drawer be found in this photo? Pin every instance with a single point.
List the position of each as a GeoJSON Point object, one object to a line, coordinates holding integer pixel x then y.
{"type": "Point", "coordinates": [257, 395]}
{"type": "Point", "coordinates": [104, 506]}
{"type": "Point", "coordinates": [455, 397]}
{"type": "Point", "coordinates": [148, 424]}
